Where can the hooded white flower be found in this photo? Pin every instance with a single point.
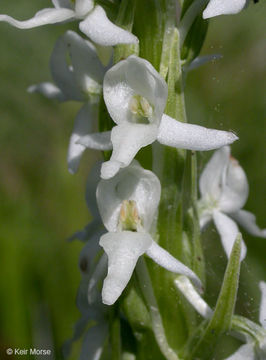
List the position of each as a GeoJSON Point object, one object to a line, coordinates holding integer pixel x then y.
{"type": "Point", "coordinates": [93, 21]}
{"type": "Point", "coordinates": [79, 81]}
{"type": "Point", "coordinates": [223, 7]}
{"type": "Point", "coordinates": [224, 191]}
{"type": "Point", "coordinates": [255, 350]}
{"type": "Point", "coordinates": [135, 96]}
{"type": "Point", "coordinates": [128, 204]}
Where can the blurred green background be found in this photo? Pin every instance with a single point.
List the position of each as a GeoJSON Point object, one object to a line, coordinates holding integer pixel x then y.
{"type": "Point", "coordinates": [42, 204]}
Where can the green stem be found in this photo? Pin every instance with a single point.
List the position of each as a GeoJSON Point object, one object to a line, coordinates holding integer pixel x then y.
{"type": "Point", "coordinates": [115, 334]}
{"type": "Point", "coordinates": [157, 324]}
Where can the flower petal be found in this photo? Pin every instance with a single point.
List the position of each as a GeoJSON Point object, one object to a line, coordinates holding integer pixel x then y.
{"type": "Point", "coordinates": [244, 352]}
{"type": "Point", "coordinates": [228, 231]}
{"type": "Point", "coordinates": [132, 183]}
{"type": "Point", "coordinates": [133, 76]}
{"type": "Point", "coordinates": [192, 137]}
{"type": "Point", "coordinates": [262, 285]}
{"type": "Point", "coordinates": [87, 68]}
{"type": "Point", "coordinates": [210, 182]}
{"type": "Point", "coordinates": [202, 60]}
{"type": "Point", "coordinates": [235, 188]}
{"type": "Point", "coordinates": [123, 250]}
{"type": "Point", "coordinates": [90, 231]}
{"type": "Point", "coordinates": [88, 253]}
{"type": "Point", "coordinates": [223, 7]}
{"type": "Point", "coordinates": [82, 126]}
{"type": "Point", "coordinates": [127, 140]}
{"type": "Point", "coordinates": [61, 72]}
{"type": "Point", "coordinates": [48, 90]}
{"type": "Point", "coordinates": [102, 31]}
{"type": "Point", "coordinates": [167, 261]}
{"type": "Point", "coordinates": [82, 7]}
{"type": "Point", "coordinates": [43, 17]}
{"type": "Point", "coordinates": [187, 289]}
{"type": "Point", "coordinates": [94, 341]}
{"type": "Point", "coordinates": [248, 221]}
{"type": "Point", "coordinates": [97, 275]}
{"type": "Point", "coordinates": [91, 187]}
{"type": "Point", "coordinates": [97, 141]}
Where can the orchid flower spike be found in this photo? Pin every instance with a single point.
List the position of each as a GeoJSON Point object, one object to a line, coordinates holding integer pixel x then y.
{"type": "Point", "coordinates": [255, 350]}
{"type": "Point", "coordinates": [79, 81]}
{"type": "Point", "coordinates": [93, 21]}
{"type": "Point", "coordinates": [135, 96]}
{"type": "Point", "coordinates": [128, 204]}
{"type": "Point", "coordinates": [224, 7]}
{"type": "Point", "coordinates": [224, 191]}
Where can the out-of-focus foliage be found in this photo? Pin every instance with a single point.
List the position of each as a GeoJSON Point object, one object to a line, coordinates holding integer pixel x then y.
{"type": "Point", "coordinates": [42, 204]}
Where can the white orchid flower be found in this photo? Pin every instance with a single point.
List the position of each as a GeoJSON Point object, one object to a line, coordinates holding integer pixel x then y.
{"type": "Point", "coordinates": [79, 81]}
{"type": "Point", "coordinates": [128, 204]}
{"type": "Point", "coordinates": [254, 350]}
{"type": "Point", "coordinates": [93, 21]}
{"type": "Point", "coordinates": [135, 96]}
{"type": "Point", "coordinates": [82, 79]}
{"type": "Point", "coordinates": [223, 7]}
{"type": "Point", "coordinates": [224, 191]}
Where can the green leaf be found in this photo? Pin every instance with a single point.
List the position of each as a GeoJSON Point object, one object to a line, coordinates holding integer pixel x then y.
{"type": "Point", "coordinates": [134, 307]}
{"type": "Point", "coordinates": [223, 313]}
{"type": "Point", "coordinates": [194, 39]}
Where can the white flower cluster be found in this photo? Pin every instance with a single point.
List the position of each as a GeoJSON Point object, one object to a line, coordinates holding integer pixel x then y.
{"type": "Point", "coordinates": [224, 191]}
{"type": "Point", "coordinates": [127, 195]}
{"type": "Point", "coordinates": [135, 96]}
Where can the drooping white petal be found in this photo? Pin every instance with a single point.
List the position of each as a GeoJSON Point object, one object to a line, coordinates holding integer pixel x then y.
{"type": "Point", "coordinates": [48, 90]}
{"type": "Point", "coordinates": [262, 285]}
{"type": "Point", "coordinates": [248, 221]}
{"type": "Point", "coordinates": [62, 73]}
{"type": "Point", "coordinates": [167, 261]}
{"type": "Point", "coordinates": [133, 76]}
{"type": "Point", "coordinates": [87, 68]}
{"type": "Point", "coordinates": [187, 289]}
{"type": "Point", "coordinates": [97, 141]}
{"type": "Point", "coordinates": [192, 137]}
{"type": "Point", "coordinates": [123, 250]}
{"type": "Point", "coordinates": [211, 179]}
{"type": "Point", "coordinates": [43, 17]}
{"type": "Point", "coordinates": [132, 183]}
{"type": "Point", "coordinates": [94, 341]}
{"type": "Point", "coordinates": [97, 275]}
{"type": "Point", "coordinates": [223, 7]}
{"type": "Point", "coordinates": [82, 7]}
{"type": "Point", "coordinates": [202, 60]}
{"type": "Point", "coordinates": [245, 352]}
{"type": "Point", "coordinates": [102, 31]}
{"type": "Point", "coordinates": [127, 140]}
{"type": "Point", "coordinates": [228, 231]}
{"type": "Point", "coordinates": [82, 126]}
{"type": "Point", "coordinates": [235, 188]}
{"type": "Point", "coordinates": [62, 4]}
